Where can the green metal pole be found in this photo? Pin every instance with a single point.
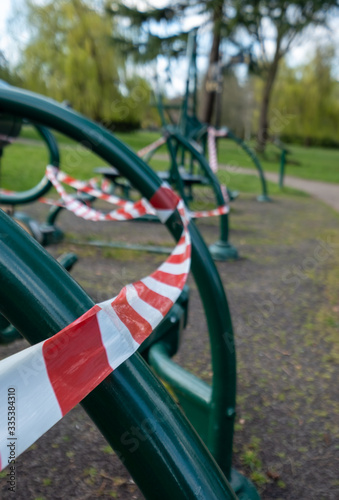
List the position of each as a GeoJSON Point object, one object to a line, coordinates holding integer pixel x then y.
{"type": "Point", "coordinates": [205, 273]}
{"type": "Point", "coordinates": [222, 249]}
{"type": "Point", "coordinates": [39, 298]}
{"type": "Point", "coordinates": [7, 332]}
{"type": "Point", "coordinates": [264, 196]}
{"type": "Point", "coordinates": [282, 168]}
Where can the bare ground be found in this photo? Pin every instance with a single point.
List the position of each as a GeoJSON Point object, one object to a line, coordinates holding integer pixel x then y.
{"type": "Point", "coordinates": [283, 295]}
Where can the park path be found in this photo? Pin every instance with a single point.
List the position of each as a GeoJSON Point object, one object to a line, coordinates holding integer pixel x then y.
{"type": "Point", "coordinates": [324, 191]}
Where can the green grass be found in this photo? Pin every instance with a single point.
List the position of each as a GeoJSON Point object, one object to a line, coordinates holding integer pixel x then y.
{"type": "Point", "coordinates": [313, 163]}
{"type": "Point", "coordinates": [23, 165]}
{"type": "Point", "coordinates": [239, 182]}
{"type": "Point", "coordinates": [308, 163]}
{"type": "Point", "coordinates": [136, 140]}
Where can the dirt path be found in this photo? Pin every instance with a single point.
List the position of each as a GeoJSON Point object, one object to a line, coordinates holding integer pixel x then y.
{"type": "Point", "coordinates": [283, 295]}
{"type": "Point", "coordinates": [324, 191]}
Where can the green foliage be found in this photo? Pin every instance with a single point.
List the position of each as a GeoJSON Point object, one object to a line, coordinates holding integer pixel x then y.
{"type": "Point", "coordinates": [7, 73]}
{"type": "Point", "coordinates": [69, 57]}
{"type": "Point", "coordinates": [305, 102]}
{"type": "Point", "coordinates": [251, 459]}
{"type": "Point", "coordinates": [286, 21]}
{"type": "Point", "coordinates": [150, 32]}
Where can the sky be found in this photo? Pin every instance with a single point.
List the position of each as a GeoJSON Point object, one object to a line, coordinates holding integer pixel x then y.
{"type": "Point", "coordinates": [300, 53]}
{"type": "Point", "coordinates": [4, 14]}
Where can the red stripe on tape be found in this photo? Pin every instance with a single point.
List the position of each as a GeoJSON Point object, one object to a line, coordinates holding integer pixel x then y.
{"type": "Point", "coordinates": [164, 199]}
{"type": "Point", "coordinates": [74, 372]}
{"type": "Point", "coordinates": [139, 328]}
{"type": "Point", "coordinates": [154, 299]}
{"type": "Point", "coordinates": [170, 279]}
{"type": "Point", "coordinates": [178, 259]}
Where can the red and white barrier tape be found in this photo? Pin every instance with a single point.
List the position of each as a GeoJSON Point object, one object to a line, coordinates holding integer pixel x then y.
{"type": "Point", "coordinates": [212, 133]}
{"type": "Point", "coordinates": [6, 191]}
{"type": "Point", "coordinates": [154, 145]}
{"type": "Point", "coordinates": [128, 211]}
{"type": "Point", "coordinates": [224, 192]}
{"type": "Point", "coordinates": [6, 138]}
{"type": "Point", "coordinates": [224, 209]}
{"type": "Point", "coordinates": [40, 384]}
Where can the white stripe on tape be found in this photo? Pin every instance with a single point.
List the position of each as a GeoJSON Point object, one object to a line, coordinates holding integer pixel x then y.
{"type": "Point", "coordinates": [128, 210]}
{"type": "Point", "coordinates": [50, 378]}
{"type": "Point", "coordinates": [118, 341]}
{"type": "Point", "coordinates": [146, 311]}
{"type": "Point", "coordinates": [168, 291]}
{"type": "Point", "coordinates": [26, 373]}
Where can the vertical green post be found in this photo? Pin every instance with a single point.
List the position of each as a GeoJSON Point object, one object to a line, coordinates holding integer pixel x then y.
{"type": "Point", "coordinates": [282, 168]}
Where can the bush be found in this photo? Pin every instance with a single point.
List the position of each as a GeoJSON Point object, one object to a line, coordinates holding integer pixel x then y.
{"type": "Point", "coordinates": [324, 142]}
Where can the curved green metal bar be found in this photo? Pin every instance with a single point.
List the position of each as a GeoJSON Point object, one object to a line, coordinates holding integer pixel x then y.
{"type": "Point", "coordinates": [264, 196]}
{"type": "Point", "coordinates": [283, 158]}
{"type": "Point", "coordinates": [7, 332]}
{"type": "Point", "coordinates": [40, 298]}
{"type": "Point", "coordinates": [24, 197]}
{"type": "Point", "coordinates": [225, 247]}
{"type": "Point", "coordinates": [102, 142]}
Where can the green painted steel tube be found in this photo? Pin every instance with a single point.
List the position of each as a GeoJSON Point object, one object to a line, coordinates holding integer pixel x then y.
{"type": "Point", "coordinates": [185, 143]}
{"type": "Point", "coordinates": [211, 290]}
{"type": "Point", "coordinates": [255, 160]}
{"type": "Point", "coordinates": [179, 379]}
{"type": "Point", "coordinates": [7, 332]}
{"type": "Point", "coordinates": [132, 410]}
{"type": "Point", "coordinates": [222, 352]}
{"type": "Point", "coordinates": [282, 168]}
{"type": "Point", "coordinates": [173, 147]}
{"type": "Point", "coordinates": [89, 134]}
{"type": "Point", "coordinates": [23, 197]}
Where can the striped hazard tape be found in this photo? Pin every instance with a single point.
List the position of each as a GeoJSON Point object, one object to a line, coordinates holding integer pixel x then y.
{"type": "Point", "coordinates": [212, 133]}
{"type": "Point", "coordinates": [129, 210]}
{"type": "Point", "coordinates": [40, 384]}
{"type": "Point", "coordinates": [224, 209]}
{"type": "Point", "coordinates": [151, 147]}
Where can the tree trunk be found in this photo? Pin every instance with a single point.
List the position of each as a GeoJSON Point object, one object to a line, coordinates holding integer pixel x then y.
{"type": "Point", "coordinates": [263, 129]}
{"type": "Point", "coordinates": [209, 92]}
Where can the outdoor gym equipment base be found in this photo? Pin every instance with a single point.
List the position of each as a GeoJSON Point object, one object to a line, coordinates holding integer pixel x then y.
{"type": "Point", "coordinates": [28, 275]}
{"type": "Point", "coordinates": [222, 251]}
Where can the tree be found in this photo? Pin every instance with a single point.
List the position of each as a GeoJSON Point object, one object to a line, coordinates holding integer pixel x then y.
{"type": "Point", "coordinates": [287, 20]}
{"type": "Point", "coordinates": [237, 102]}
{"type": "Point", "coordinates": [144, 34]}
{"type": "Point", "coordinates": [276, 21]}
{"type": "Point", "coordinates": [307, 98]}
{"type": "Point", "coordinates": [6, 72]}
{"type": "Point", "coordinates": [69, 57]}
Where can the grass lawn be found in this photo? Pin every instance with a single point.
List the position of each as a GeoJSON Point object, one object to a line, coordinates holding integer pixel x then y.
{"type": "Point", "coordinates": [80, 163]}
{"type": "Point", "coordinates": [310, 163]}
{"type": "Point", "coordinates": [307, 163]}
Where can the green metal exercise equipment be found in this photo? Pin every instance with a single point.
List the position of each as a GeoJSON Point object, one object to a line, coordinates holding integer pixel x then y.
{"type": "Point", "coordinates": [188, 163]}
{"type": "Point", "coordinates": [284, 151]}
{"type": "Point", "coordinates": [189, 124]}
{"type": "Point", "coordinates": [44, 233]}
{"type": "Point", "coordinates": [181, 466]}
{"type": "Point", "coordinates": [264, 193]}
